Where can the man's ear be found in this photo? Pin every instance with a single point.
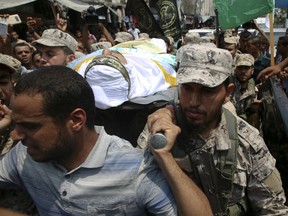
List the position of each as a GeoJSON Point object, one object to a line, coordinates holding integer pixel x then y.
{"type": "Point", "coordinates": [77, 119]}
{"type": "Point", "coordinates": [70, 58]}
{"type": "Point", "coordinates": [230, 89]}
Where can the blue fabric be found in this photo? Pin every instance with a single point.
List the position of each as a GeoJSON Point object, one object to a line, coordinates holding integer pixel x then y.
{"type": "Point", "coordinates": [281, 4]}
{"type": "Point", "coordinates": [113, 180]}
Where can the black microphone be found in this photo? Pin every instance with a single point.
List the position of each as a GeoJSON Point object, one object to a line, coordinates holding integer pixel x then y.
{"type": "Point", "coordinates": [158, 140]}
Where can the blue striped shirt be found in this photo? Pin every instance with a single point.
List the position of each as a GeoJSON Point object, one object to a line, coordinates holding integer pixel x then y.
{"type": "Point", "coordinates": [115, 179]}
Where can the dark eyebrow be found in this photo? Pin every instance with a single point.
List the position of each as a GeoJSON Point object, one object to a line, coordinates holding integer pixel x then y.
{"type": "Point", "coordinates": [28, 124]}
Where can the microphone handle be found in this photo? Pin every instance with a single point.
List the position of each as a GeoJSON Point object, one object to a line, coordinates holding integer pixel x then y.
{"type": "Point", "coordinates": [158, 140]}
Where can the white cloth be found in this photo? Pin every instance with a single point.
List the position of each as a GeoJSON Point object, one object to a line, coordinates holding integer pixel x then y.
{"type": "Point", "coordinates": [110, 87]}
{"type": "Point", "coordinates": [147, 72]}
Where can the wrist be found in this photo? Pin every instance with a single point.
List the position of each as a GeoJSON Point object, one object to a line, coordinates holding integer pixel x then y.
{"type": "Point", "coordinates": [161, 155]}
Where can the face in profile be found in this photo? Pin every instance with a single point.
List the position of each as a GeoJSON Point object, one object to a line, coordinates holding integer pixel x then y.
{"type": "Point", "coordinates": [45, 139]}
{"type": "Point", "coordinates": [6, 85]}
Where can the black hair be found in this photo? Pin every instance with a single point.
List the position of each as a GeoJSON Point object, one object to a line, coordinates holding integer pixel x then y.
{"type": "Point", "coordinates": [35, 53]}
{"type": "Point", "coordinates": [256, 40]}
{"type": "Point", "coordinates": [245, 35]}
{"type": "Point", "coordinates": [284, 40]}
{"type": "Point", "coordinates": [62, 89]}
{"type": "Point", "coordinates": [20, 45]}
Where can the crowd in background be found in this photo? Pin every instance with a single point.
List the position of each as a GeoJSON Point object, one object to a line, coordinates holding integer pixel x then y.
{"type": "Point", "coordinates": [249, 49]}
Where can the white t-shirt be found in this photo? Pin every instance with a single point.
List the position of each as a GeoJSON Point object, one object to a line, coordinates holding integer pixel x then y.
{"type": "Point", "coordinates": [135, 32]}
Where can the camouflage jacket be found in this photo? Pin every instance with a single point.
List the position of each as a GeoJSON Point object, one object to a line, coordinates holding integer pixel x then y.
{"type": "Point", "coordinates": [243, 101]}
{"type": "Point", "coordinates": [255, 179]}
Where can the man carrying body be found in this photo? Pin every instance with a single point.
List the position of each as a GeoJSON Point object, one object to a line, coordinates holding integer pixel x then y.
{"type": "Point", "coordinates": [245, 172]}
{"type": "Point", "coordinates": [71, 167]}
{"type": "Point", "coordinates": [57, 47]}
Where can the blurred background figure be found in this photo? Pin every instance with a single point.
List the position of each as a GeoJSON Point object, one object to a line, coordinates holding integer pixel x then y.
{"type": "Point", "coordinates": [134, 31]}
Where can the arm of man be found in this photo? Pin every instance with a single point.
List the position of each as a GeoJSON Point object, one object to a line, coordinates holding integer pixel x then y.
{"type": "Point", "coordinates": [189, 198]}
{"type": "Point", "coordinates": [262, 33]}
{"type": "Point", "coordinates": [31, 22]}
{"type": "Point", "coordinates": [272, 70]}
{"type": "Point", "coordinates": [107, 34]}
{"type": "Point", "coordinates": [7, 212]}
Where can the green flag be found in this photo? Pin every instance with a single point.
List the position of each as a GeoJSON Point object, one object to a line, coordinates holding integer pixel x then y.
{"type": "Point", "coordinates": [232, 13]}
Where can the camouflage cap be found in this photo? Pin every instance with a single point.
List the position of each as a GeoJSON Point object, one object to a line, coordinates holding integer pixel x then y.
{"type": "Point", "coordinates": [210, 35]}
{"type": "Point", "coordinates": [231, 40]}
{"type": "Point", "coordinates": [56, 37]}
{"type": "Point", "coordinates": [100, 45]}
{"type": "Point", "coordinates": [208, 66]}
{"type": "Point", "coordinates": [244, 60]}
{"type": "Point", "coordinates": [205, 39]}
{"type": "Point", "coordinates": [192, 38]}
{"type": "Point", "coordinates": [229, 33]}
{"type": "Point", "coordinates": [123, 37]}
{"type": "Point", "coordinates": [143, 35]}
{"type": "Point", "coordinates": [11, 63]}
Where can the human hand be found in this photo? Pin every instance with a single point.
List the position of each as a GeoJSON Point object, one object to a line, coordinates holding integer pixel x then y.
{"type": "Point", "coordinates": [61, 23]}
{"type": "Point", "coordinates": [30, 22]}
{"type": "Point", "coordinates": [5, 117]}
{"type": "Point", "coordinates": [163, 120]}
{"type": "Point", "coordinates": [269, 72]}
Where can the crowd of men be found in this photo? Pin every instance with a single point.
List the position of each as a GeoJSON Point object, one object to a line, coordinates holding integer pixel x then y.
{"type": "Point", "coordinates": [57, 158]}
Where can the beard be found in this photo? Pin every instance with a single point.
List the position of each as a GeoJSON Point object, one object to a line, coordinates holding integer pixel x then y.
{"type": "Point", "coordinates": [195, 129]}
{"type": "Point", "coordinates": [60, 152]}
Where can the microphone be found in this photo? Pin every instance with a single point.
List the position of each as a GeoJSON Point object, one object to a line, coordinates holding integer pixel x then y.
{"type": "Point", "coordinates": [158, 140]}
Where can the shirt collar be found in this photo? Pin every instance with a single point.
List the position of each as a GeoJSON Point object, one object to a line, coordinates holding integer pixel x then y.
{"type": "Point", "coordinates": [96, 157]}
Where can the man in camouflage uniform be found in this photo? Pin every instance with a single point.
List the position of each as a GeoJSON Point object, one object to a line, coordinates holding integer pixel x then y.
{"type": "Point", "coordinates": [230, 44]}
{"type": "Point", "coordinates": [9, 71]}
{"type": "Point", "coordinates": [248, 182]}
{"type": "Point", "coordinates": [245, 92]}
{"type": "Point", "coordinates": [57, 47]}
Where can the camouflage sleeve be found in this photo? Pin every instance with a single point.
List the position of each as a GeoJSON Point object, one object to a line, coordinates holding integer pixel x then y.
{"type": "Point", "coordinates": [264, 186]}
{"type": "Point", "coordinates": [142, 140]}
